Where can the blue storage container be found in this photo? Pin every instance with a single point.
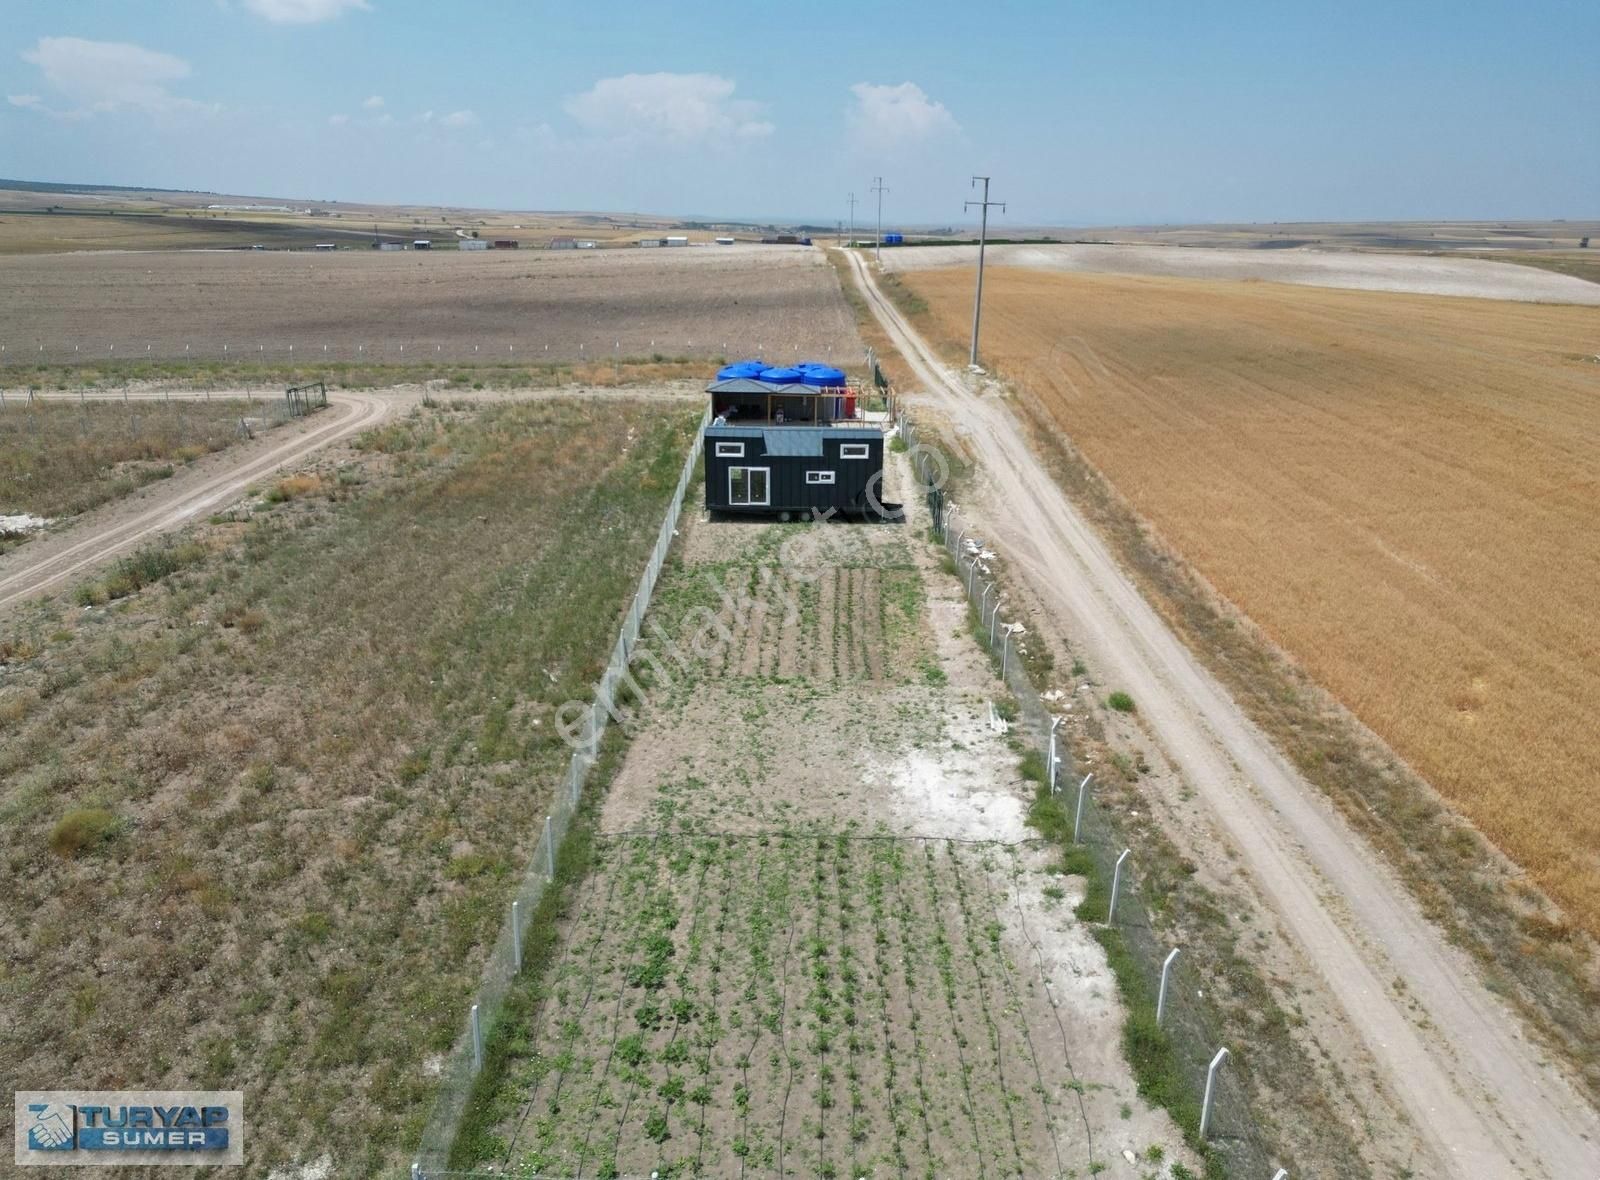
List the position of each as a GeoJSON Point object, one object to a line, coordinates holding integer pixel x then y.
{"type": "Point", "coordinates": [741, 369]}
{"type": "Point", "coordinates": [781, 376]}
{"type": "Point", "coordinates": [822, 376]}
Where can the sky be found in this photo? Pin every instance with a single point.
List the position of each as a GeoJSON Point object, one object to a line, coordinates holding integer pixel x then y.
{"type": "Point", "coordinates": [1085, 112]}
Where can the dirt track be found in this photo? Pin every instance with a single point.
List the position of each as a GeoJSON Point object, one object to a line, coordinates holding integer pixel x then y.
{"type": "Point", "coordinates": [1482, 1100]}
{"type": "Point", "coordinates": [116, 528]}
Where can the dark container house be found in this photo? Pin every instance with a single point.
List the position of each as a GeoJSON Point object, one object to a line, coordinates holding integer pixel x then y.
{"type": "Point", "coordinates": [778, 445]}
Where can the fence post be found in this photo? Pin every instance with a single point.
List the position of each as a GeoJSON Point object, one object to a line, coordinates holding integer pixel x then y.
{"type": "Point", "coordinates": [1054, 721]}
{"type": "Point", "coordinates": [1161, 996]}
{"type": "Point", "coordinates": [1281, 1174]}
{"type": "Point", "coordinates": [1211, 1078]}
{"type": "Point", "coordinates": [416, 1170]}
{"type": "Point", "coordinates": [1077, 820]}
{"type": "Point", "coordinates": [477, 1046]}
{"type": "Point", "coordinates": [1116, 884]}
{"type": "Point", "coordinates": [992, 617]}
{"type": "Point", "coordinates": [1005, 652]}
{"type": "Point", "coordinates": [983, 603]}
{"type": "Point", "coordinates": [516, 939]}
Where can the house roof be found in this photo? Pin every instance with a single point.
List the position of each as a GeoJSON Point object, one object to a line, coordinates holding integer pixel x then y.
{"type": "Point", "coordinates": [795, 442]}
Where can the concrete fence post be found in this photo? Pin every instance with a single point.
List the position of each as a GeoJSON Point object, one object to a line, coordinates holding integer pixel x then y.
{"type": "Point", "coordinates": [549, 852]}
{"type": "Point", "coordinates": [1005, 652]}
{"type": "Point", "coordinates": [516, 936]}
{"type": "Point", "coordinates": [1161, 996]}
{"type": "Point", "coordinates": [1077, 819]}
{"type": "Point", "coordinates": [416, 1170]}
{"type": "Point", "coordinates": [1051, 768]}
{"type": "Point", "coordinates": [477, 1043]}
{"type": "Point", "coordinates": [1281, 1174]}
{"type": "Point", "coordinates": [1116, 885]}
{"type": "Point", "coordinates": [1211, 1079]}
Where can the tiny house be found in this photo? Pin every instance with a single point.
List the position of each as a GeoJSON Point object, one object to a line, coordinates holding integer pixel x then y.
{"type": "Point", "coordinates": [792, 442]}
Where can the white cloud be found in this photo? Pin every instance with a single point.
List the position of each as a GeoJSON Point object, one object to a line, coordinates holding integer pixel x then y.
{"type": "Point", "coordinates": [99, 76]}
{"type": "Point", "coordinates": [681, 107]}
{"type": "Point", "coordinates": [375, 103]}
{"type": "Point", "coordinates": [303, 12]}
{"type": "Point", "coordinates": [338, 120]}
{"type": "Point", "coordinates": [890, 116]}
{"type": "Point", "coordinates": [459, 119]}
{"type": "Point", "coordinates": [27, 101]}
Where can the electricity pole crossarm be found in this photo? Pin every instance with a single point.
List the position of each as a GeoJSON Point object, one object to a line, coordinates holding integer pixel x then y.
{"type": "Point", "coordinates": [983, 235]}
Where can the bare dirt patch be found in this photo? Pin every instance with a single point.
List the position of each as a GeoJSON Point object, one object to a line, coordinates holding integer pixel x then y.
{"type": "Point", "coordinates": [521, 306]}
{"type": "Point", "coordinates": [1407, 273]}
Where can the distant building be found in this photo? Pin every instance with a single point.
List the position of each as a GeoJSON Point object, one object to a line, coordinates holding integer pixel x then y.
{"type": "Point", "coordinates": [391, 246]}
{"type": "Point", "coordinates": [675, 241]}
{"type": "Point", "coordinates": [324, 246]}
{"type": "Point", "coordinates": [422, 244]}
{"type": "Point", "coordinates": [505, 243]}
{"type": "Point", "coordinates": [725, 241]}
{"type": "Point", "coordinates": [649, 242]}
{"type": "Point", "coordinates": [473, 244]}
{"type": "Point", "coordinates": [563, 243]}
{"type": "Point", "coordinates": [587, 244]}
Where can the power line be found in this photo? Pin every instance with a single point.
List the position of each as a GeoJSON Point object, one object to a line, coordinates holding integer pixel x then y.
{"type": "Point", "coordinates": [852, 219]}
{"type": "Point", "coordinates": [877, 187]}
{"type": "Point", "coordinates": [983, 235]}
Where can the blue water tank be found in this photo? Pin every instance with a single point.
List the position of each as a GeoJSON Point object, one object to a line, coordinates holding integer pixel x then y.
{"type": "Point", "coordinates": [894, 239]}
{"type": "Point", "coordinates": [741, 369]}
{"type": "Point", "coordinates": [781, 376]}
{"type": "Point", "coordinates": [822, 376]}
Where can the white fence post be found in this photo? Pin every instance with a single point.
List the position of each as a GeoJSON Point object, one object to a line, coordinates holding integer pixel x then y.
{"type": "Point", "coordinates": [549, 852]}
{"type": "Point", "coordinates": [1077, 819]}
{"type": "Point", "coordinates": [1281, 1174]}
{"type": "Point", "coordinates": [1211, 1078]}
{"type": "Point", "coordinates": [477, 1044]}
{"type": "Point", "coordinates": [516, 938]}
{"type": "Point", "coordinates": [1054, 721]}
{"type": "Point", "coordinates": [1116, 884]}
{"type": "Point", "coordinates": [1161, 996]}
{"type": "Point", "coordinates": [1005, 652]}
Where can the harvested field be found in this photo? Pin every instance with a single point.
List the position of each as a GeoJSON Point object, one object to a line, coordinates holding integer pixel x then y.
{"type": "Point", "coordinates": [528, 306]}
{"type": "Point", "coordinates": [351, 675]}
{"type": "Point", "coordinates": [1399, 490]}
{"type": "Point", "coordinates": [60, 459]}
{"type": "Point", "coordinates": [816, 937]}
{"type": "Point", "coordinates": [1406, 273]}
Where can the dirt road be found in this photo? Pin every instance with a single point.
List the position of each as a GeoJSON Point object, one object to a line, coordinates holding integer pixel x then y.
{"type": "Point", "coordinates": [108, 532]}
{"type": "Point", "coordinates": [1483, 1101]}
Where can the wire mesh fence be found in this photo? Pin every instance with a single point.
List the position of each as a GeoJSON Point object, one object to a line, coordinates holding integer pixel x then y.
{"type": "Point", "coordinates": [465, 1059]}
{"type": "Point", "coordinates": [1186, 1030]}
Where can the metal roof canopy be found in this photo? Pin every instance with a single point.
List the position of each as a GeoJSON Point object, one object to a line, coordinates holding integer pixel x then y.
{"type": "Point", "coordinates": [803, 442]}
{"type": "Point", "coordinates": [751, 385]}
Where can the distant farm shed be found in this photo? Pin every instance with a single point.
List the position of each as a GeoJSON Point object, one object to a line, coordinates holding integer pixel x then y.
{"type": "Point", "coordinates": [473, 244]}
{"type": "Point", "coordinates": [563, 244]}
{"type": "Point", "coordinates": [505, 243]}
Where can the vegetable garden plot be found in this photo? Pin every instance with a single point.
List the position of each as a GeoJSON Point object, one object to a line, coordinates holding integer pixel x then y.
{"type": "Point", "coordinates": [795, 1005]}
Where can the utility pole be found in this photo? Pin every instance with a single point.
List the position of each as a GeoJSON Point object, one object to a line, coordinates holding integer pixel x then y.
{"type": "Point", "coordinates": [852, 219]}
{"type": "Point", "coordinates": [983, 235]}
{"type": "Point", "coordinates": [877, 187]}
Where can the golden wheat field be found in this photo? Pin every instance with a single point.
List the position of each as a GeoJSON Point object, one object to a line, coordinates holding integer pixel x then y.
{"type": "Point", "coordinates": [1402, 491]}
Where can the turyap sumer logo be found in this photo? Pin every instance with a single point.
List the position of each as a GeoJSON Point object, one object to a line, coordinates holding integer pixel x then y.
{"type": "Point", "coordinates": [81, 1127]}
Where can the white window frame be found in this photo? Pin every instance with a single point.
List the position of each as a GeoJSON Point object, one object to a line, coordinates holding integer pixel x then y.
{"type": "Point", "coordinates": [766, 485]}
{"type": "Point", "coordinates": [730, 450]}
{"type": "Point", "coordinates": [855, 451]}
{"type": "Point", "coordinates": [820, 477]}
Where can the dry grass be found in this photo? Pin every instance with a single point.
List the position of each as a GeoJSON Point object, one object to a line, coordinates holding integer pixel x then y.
{"type": "Point", "coordinates": [1399, 490]}
{"type": "Point", "coordinates": [325, 747]}
{"type": "Point", "coordinates": [59, 459]}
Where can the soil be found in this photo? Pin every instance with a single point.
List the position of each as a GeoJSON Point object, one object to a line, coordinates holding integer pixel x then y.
{"type": "Point", "coordinates": [1406, 1012]}
{"type": "Point", "coordinates": [524, 306]}
{"type": "Point", "coordinates": [1474, 277]}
